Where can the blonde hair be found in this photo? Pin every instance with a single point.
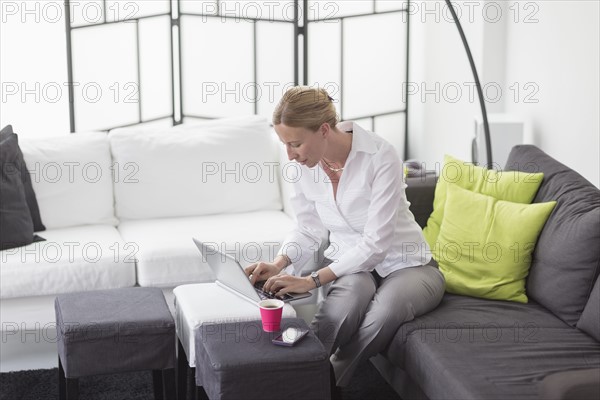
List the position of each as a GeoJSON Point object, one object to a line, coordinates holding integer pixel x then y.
{"type": "Point", "coordinates": [305, 107]}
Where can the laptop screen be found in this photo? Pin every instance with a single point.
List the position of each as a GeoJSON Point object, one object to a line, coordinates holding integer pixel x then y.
{"type": "Point", "coordinates": [227, 270]}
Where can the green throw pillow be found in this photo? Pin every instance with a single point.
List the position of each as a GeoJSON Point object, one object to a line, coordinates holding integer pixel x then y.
{"type": "Point", "coordinates": [515, 186]}
{"type": "Point", "coordinates": [485, 244]}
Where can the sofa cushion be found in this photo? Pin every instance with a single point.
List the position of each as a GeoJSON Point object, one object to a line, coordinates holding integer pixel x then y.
{"type": "Point", "coordinates": [590, 318]}
{"type": "Point", "coordinates": [494, 363]}
{"type": "Point", "coordinates": [167, 256]}
{"type": "Point", "coordinates": [462, 312]}
{"type": "Point", "coordinates": [70, 260]}
{"type": "Point", "coordinates": [32, 203]}
{"type": "Point", "coordinates": [485, 244]}
{"type": "Point", "coordinates": [72, 179]}
{"type": "Point", "coordinates": [566, 260]}
{"type": "Point", "coordinates": [195, 170]}
{"type": "Point", "coordinates": [16, 226]}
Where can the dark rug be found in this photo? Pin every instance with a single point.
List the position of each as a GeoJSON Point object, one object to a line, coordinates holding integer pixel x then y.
{"type": "Point", "coordinates": [43, 384]}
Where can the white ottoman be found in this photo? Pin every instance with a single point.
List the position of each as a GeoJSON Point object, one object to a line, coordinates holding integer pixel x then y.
{"type": "Point", "coordinates": [204, 303]}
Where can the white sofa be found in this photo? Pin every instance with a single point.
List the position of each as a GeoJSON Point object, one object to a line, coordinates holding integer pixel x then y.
{"type": "Point", "coordinates": [121, 210]}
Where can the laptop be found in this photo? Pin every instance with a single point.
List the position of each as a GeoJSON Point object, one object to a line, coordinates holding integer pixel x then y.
{"type": "Point", "coordinates": [231, 276]}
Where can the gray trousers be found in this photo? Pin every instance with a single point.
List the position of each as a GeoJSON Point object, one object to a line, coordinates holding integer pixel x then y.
{"type": "Point", "coordinates": [361, 314]}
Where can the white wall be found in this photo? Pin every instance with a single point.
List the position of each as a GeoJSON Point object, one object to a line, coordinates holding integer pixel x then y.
{"type": "Point", "coordinates": [444, 102]}
{"type": "Point", "coordinates": [550, 45]}
{"type": "Point", "coordinates": [560, 53]}
{"type": "Point", "coordinates": [544, 51]}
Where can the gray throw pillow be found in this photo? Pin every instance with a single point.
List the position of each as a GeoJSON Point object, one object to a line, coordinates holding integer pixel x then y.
{"type": "Point", "coordinates": [32, 203]}
{"type": "Point", "coordinates": [16, 226]}
{"type": "Point", "coordinates": [566, 259]}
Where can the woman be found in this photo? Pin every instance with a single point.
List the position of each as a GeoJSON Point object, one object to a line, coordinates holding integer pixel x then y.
{"type": "Point", "coordinates": [351, 193]}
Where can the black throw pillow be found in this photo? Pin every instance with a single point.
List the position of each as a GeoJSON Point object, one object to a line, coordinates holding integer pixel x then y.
{"type": "Point", "coordinates": [32, 203]}
{"type": "Point", "coordinates": [16, 226]}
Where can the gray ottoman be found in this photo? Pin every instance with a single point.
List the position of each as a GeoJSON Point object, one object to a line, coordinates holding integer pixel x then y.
{"type": "Point", "coordinates": [113, 331]}
{"type": "Point", "coordinates": [238, 361]}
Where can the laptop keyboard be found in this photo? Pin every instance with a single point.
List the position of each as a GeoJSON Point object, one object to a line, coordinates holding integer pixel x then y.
{"type": "Point", "coordinates": [266, 295]}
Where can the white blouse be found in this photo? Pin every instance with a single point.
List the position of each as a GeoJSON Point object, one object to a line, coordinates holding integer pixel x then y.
{"type": "Point", "coordinates": [368, 223]}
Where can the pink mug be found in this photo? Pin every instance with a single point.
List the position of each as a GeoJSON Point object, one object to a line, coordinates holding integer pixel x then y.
{"type": "Point", "coordinates": [270, 313]}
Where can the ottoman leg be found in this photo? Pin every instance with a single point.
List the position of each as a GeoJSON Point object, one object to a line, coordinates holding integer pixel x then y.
{"type": "Point", "coordinates": [68, 388]}
{"type": "Point", "coordinates": [182, 372]}
{"type": "Point", "coordinates": [72, 389]}
{"type": "Point", "coordinates": [191, 383]}
{"type": "Point", "coordinates": [164, 384]}
{"type": "Point", "coordinates": [168, 376]}
{"type": "Point", "coordinates": [62, 383]}
{"type": "Point", "coordinates": [157, 383]}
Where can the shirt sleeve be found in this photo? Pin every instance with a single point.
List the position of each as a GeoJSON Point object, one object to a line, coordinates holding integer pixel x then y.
{"type": "Point", "coordinates": [302, 244]}
{"type": "Point", "coordinates": [382, 217]}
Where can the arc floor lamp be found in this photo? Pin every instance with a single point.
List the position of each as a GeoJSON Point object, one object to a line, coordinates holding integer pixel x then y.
{"type": "Point", "coordinates": [486, 126]}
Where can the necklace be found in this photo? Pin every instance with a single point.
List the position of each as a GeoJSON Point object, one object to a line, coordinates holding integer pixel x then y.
{"type": "Point", "coordinates": [332, 168]}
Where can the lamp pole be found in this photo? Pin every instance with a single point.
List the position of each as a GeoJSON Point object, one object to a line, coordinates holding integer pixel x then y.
{"type": "Point", "coordinates": [486, 126]}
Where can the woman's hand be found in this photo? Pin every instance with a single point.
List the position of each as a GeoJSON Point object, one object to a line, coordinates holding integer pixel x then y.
{"type": "Point", "coordinates": [261, 271]}
{"type": "Point", "coordinates": [281, 284]}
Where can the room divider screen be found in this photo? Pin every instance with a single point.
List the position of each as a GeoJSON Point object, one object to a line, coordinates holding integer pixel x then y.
{"type": "Point", "coordinates": [163, 62]}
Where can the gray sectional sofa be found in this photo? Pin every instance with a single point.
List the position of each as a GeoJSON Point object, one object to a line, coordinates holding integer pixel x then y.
{"type": "Point", "coordinates": [471, 348]}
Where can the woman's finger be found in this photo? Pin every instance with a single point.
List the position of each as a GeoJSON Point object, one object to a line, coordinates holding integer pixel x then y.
{"type": "Point", "coordinates": [268, 284]}
{"type": "Point", "coordinates": [273, 283]}
{"type": "Point", "coordinates": [249, 269]}
{"type": "Point", "coordinates": [282, 282]}
{"type": "Point", "coordinates": [256, 272]}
